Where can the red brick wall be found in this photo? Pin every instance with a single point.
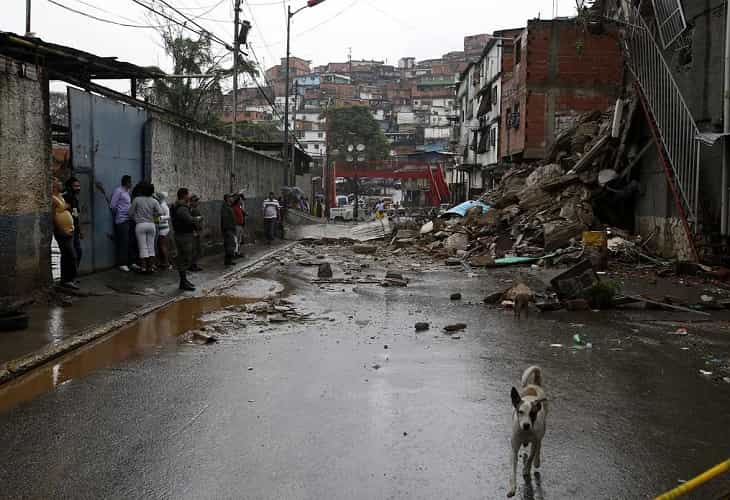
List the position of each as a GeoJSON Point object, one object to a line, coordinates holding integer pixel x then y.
{"type": "Point", "coordinates": [564, 70]}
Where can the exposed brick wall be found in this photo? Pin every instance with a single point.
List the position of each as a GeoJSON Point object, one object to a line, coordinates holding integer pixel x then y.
{"type": "Point", "coordinates": [564, 70]}
{"type": "Point", "coordinates": [25, 174]}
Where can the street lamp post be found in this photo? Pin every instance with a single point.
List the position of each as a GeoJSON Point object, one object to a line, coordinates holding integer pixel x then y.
{"type": "Point", "coordinates": [285, 149]}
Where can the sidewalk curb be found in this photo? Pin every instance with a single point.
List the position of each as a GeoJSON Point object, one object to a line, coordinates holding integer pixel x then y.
{"type": "Point", "coordinates": [13, 369]}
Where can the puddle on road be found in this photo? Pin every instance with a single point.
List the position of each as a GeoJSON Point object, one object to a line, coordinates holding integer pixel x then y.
{"type": "Point", "coordinates": [136, 339]}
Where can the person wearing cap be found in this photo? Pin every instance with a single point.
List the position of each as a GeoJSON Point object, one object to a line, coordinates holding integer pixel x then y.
{"type": "Point", "coordinates": [197, 240]}
{"type": "Point", "coordinates": [239, 212]}
{"type": "Point", "coordinates": [163, 232]}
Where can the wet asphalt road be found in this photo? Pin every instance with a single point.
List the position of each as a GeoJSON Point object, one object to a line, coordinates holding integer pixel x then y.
{"type": "Point", "coordinates": [314, 419]}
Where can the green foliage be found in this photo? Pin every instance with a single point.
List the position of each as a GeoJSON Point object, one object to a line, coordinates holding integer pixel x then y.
{"type": "Point", "coordinates": [250, 131]}
{"type": "Point", "coordinates": [198, 98]}
{"type": "Point", "coordinates": [601, 294]}
{"type": "Point", "coordinates": [355, 125]}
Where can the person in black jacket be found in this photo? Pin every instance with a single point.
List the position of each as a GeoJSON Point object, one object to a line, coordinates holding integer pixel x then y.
{"type": "Point", "coordinates": [184, 226]}
{"type": "Point", "coordinates": [228, 228]}
{"type": "Point", "coordinates": [71, 195]}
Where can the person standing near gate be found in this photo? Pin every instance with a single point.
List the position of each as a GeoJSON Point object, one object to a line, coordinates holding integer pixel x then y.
{"type": "Point", "coordinates": [121, 201]}
{"type": "Point", "coordinates": [145, 211]}
{"type": "Point", "coordinates": [183, 225]}
{"type": "Point", "coordinates": [63, 231]}
{"type": "Point", "coordinates": [71, 195]}
{"type": "Point", "coordinates": [197, 235]}
{"type": "Point", "coordinates": [271, 215]}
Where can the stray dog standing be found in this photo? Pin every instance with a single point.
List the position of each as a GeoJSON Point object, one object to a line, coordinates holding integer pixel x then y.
{"type": "Point", "coordinates": [528, 422]}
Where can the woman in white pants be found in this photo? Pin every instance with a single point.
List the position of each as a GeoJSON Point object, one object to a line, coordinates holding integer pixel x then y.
{"type": "Point", "coordinates": [145, 211]}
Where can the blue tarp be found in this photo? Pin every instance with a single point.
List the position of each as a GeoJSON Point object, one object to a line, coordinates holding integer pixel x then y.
{"type": "Point", "coordinates": [461, 210]}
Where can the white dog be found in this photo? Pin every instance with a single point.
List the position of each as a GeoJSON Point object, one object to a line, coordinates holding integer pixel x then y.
{"type": "Point", "coordinates": [528, 422]}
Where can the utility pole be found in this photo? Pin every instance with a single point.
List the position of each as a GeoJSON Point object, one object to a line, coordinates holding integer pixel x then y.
{"type": "Point", "coordinates": [293, 176]}
{"type": "Point", "coordinates": [27, 17]}
{"type": "Point", "coordinates": [285, 146]}
{"type": "Point", "coordinates": [236, 48]}
{"type": "Point", "coordinates": [285, 150]}
{"type": "Point", "coordinates": [349, 63]}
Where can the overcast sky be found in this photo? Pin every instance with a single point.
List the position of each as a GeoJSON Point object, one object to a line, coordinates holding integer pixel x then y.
{"type": "Point", "coordinates": [373, 29]}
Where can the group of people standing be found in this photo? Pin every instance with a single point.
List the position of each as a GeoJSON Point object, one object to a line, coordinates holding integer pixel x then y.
{"type": "Point", "coordinates": [147, 231]}
{"type": "Point", "coordinates": [143, 215]}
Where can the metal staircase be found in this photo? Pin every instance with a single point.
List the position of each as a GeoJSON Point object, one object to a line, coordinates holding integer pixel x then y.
{"type": "Point", "coordinates": [672, 124]}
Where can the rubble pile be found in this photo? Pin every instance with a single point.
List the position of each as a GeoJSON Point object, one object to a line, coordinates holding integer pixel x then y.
{"type": "Point", "coordinates": [539, 209]}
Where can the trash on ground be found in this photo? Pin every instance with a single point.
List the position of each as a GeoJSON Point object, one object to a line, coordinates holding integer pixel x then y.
{"type": "Point", "coordinates": [456, 327]}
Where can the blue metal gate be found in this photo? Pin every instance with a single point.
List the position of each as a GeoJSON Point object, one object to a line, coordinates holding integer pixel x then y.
{"type": "Point", "coordinates": [107, 142]}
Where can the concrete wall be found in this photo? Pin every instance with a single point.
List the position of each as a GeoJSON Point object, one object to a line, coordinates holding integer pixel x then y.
{"type": "Point", "coordinates": [25, 153]}
{"type": "Point", "coordinates": [177, 157]}
{"type": "Point", "coordinates": [656, 217]}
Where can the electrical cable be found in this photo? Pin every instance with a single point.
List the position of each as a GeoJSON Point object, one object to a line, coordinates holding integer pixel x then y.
{"type": "Point", "coordinates": [100, 9]}
{"type": "Point", "coordinates": [100, 19]}
{"type": "Point", "coordinates": [192, 21]}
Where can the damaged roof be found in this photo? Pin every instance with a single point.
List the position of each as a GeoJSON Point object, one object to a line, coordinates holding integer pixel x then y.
{"type": "Point", "coordinates": [62, 60]}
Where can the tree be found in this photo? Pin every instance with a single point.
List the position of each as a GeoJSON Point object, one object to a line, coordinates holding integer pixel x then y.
{"type": "Point", "coordinates": [198, 98]}
{"type": "Point", "coordinates": [355, 125]}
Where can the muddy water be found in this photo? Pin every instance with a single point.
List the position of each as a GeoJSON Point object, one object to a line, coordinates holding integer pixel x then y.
{"type": "Point", "coordinates": [136, 339]}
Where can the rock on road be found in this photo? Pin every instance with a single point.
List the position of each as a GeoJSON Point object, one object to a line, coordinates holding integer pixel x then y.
{"type": "Point", "coordinates": [322, 409]}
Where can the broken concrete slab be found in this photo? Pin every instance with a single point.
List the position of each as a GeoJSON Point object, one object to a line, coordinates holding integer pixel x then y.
{"type": "Point", "coordinates": [481, 261]}
{"type": "Point", "coordinates": [559, 233]}
{"type": "Point", "coordinates": [572, 283]}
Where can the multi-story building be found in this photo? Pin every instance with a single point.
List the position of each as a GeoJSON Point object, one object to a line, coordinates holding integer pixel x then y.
{"type": "Point", "coordinates": [561, 71]}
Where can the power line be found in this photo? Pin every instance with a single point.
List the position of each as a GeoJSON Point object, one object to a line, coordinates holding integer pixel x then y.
{"type": "Point", "coordinates": [258, 30]}
{"type": "Point", "coordinates": [192, 21]}
{"type": "Point", "coordinates": [175, 21]}
{"type": "Point", "coordinates": [100, 9]}
{"type": "Point", "coordinates": [100, 19]}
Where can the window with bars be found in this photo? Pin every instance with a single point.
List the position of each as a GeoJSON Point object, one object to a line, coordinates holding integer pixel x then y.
{"type": "Point", "coordinates": [670, 20]}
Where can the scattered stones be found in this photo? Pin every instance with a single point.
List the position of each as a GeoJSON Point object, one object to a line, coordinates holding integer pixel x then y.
{"type": "Point", "coordinates": [456, 296]}
{"type": "Point", "coordinates": [392, 275]}
{"type": "Point", "coordinates": [376, 366]}
{"type": "Point", "coordinates": [422, 326]}
{"type": "Point", "coordinates": [451, 261]}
